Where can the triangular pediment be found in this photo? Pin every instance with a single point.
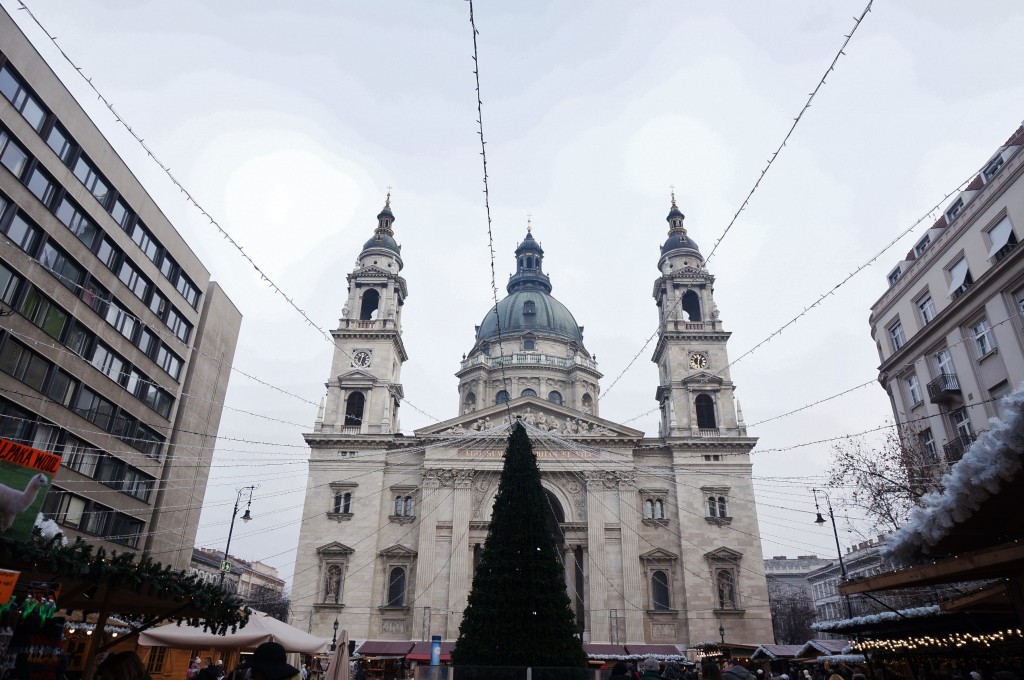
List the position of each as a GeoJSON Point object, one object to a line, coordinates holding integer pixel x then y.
{"type": "Point", "coordinates": [703, 377]}
{"type": "Point", "coordinates": [398, 551]}
{"type": "Point", "coordinates": [357, 376]}
{"type": "Point", "coordinates": [536, 412]}
{"type": "Point", "coordinates": [658, 555]}
{"type": "Point", "coordinates": [723, 554]}
{"type": "Point", "coordinates": [335, 548]}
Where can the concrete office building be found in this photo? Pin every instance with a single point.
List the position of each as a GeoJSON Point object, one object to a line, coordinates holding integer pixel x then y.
{"type": "Point", "coordinates": [949, 328]}
{"type": "Point", "coordinates": [115, 347]}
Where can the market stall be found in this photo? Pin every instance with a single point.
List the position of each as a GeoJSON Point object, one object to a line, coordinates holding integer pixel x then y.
{"type": "Point", "coordinates": [384, 659]}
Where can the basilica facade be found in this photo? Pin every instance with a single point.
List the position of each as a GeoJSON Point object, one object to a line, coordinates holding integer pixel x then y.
{"type": "Point", "coordinates": [658, 535]}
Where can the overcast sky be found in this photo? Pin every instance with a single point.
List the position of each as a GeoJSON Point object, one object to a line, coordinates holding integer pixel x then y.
{"type": "Point", "coordinates": [288, 121]}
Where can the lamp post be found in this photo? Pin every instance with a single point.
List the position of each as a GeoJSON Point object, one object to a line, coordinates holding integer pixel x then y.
{"type": "Point", "coordinates": [819, 520]}
{"type": "Point", "coordinates": [225, 566]}
{"type": "Point", "coordinates": [721, 632]}
{"type": "Point", "coordinates": [334, 640]}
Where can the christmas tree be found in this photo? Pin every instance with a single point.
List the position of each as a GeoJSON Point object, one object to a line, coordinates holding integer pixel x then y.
{"type": "Point", "coordinates": [519, 613]}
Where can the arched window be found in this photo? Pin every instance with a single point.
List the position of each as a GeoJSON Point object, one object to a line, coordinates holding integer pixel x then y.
{"type": "Point", "coordinates": [371, 301]}
{"type": "Point", "coordinates": [408, 506]}
{"type": "Point", "coordinates": [346, 503]}
{"type": "Point", "coordinates": [659, 509]}
{"type": "Point", "coordinates": [659, 592]}
{"type": "Point", "coordinates": [648, 508]}
{"type": "Point", "coordinates": [726, 584]}
{"type": "Point", "coordinates": [712, 507]}
{"type": "Point", "coordinates": [529, 307]}
{"type": "Point", "coordinates": [354, 409]}
{"type": "Point", "coordinates": [332, 585]}
{"type": "Point", "coordinates": [555, 397]}
{"type": "Point", "coordinates": [501, 397]}
{"type": "Point", "coordinates": [528, 393]}
{"type": "Point", "coordinates": [399, 505]}
{"type": "Point", "coordinates": [721, 507]}
{"type": "Point", "coordinates": [396, 588]}
{"type": "Point", "coordinates": [529, 262]}
{"type": "Point", "coordinates": [588, 403]}
{"type": "Point", "coordinates": [691, 305]}
{"type": "Point", "coordinates": [705, 411]}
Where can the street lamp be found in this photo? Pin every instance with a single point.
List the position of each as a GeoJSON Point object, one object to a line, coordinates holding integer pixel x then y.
{"type": "Point", "coordinates": [225, 566]}
{"type": "Point", "coordinates": [819, 520]}
{"type": "Point", "coordinates": [334, 640]}
{"type": "Point", "coordinates": [721, 631]}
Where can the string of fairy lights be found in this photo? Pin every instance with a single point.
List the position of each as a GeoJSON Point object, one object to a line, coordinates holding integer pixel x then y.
{"type": "Point", "coordinates": [278, 291]}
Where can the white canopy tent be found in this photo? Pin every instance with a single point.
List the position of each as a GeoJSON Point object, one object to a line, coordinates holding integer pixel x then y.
{"type": "Point", "coordinates": [261, 628]}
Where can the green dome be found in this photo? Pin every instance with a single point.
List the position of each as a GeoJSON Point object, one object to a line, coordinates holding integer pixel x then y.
{"type": "Point", "coordinates": [548, 317]}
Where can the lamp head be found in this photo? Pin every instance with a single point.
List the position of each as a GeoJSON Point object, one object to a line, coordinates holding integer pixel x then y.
{"type": "Point", "coordinates": [820, 519]}
{"type": "Point", "coordinates": [246, 517]}
{"type": "Point", "coordinates": [335, 625]}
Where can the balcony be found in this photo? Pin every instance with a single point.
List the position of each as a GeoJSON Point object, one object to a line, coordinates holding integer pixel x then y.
{"type": "Point", "coordinates": [529, 359]}
{"type": "Point", "coordinates": [708, 432]}
{"type": "Point", "coordinates": [943, 388]}
{"type": "Point", "coordinates": [956, 448]}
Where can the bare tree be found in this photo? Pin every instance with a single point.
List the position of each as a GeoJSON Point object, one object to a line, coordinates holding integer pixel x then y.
{"type": "Point", "coordinates": [272, 602]}
{"type": "Point", "coordinates": [886, 480]}
{"type": "Point", "coordinates": [792, 616]}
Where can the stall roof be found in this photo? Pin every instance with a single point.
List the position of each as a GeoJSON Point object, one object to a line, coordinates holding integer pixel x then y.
{"type": "Point", "coordinates": [776, 651]}
{"type": "Point", "coordinates": [393, 648]}
{"type": "Point", "coordinates": [653, 650]}
{"type": "Point", "coordinates": [601, 650]}
{"type": "Point", "coordinates": [421, 651]}
{"type": "Point", "coordinates": [819, 647]}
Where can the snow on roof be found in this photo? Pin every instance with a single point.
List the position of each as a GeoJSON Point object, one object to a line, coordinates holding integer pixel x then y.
{"type": "Point", "coordinates": [776, 651]}
{"type": "Point", "coordinates": [994, 459]}
{"type": "Point", "coordinates": [822, 646]}
{"type": "Point", "coordinates": [880, 617]}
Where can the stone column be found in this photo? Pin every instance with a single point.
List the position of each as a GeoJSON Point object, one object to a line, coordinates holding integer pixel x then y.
{"type": "Point", "coordinates": [426, 567]}
{"type": "Point", "coordinates": [632, 586]}
{"type": "Point", "coordinates": [597, 562]}
{"type": "Point", "coordinates": [458, 590]}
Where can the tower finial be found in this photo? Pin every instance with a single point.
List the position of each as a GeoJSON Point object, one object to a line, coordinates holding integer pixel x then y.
{"type": "Point", "coordinates": [529, 223]}
{"type": "Point", "coordinates": [673, 189]}
{"type": "Point", "coordinates": [387, 202]}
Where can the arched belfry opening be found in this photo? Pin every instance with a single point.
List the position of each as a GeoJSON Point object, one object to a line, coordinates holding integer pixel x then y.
{"type": "Point", "coordinates": [691, 305]}
{"type": "Point", "coordinates": [370, 305]}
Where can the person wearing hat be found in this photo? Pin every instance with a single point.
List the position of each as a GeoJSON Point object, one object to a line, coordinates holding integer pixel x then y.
{"type": "Point", "coordinates": [269, 662]}
{"type": "Point", "coordinates": [733, 671]}
{"type": "Point", "coordinates": [650, 667]}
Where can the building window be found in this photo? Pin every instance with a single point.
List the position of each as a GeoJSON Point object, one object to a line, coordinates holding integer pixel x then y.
{"type": "Point", "coordinates": [529, 307]}
{"type": "Point", "coordinates": [396, 588]}
{"type": "Point", "coordinates": [332, 584]}
{"type": "Point", "coordinates": [927, 441]}
{"type": "Point", "coordinates": [529, 344]}
{"type": "Point", "coordinates": [955, 209]}
{"type": "Point", "coordinates": [8, 284]}
{"type": "Point", "coordinates": [403, 506]}
{"type": "Point", "coordinates": [660, 593]}
{"type": "Point", "coordinates": [992, 168]}
{"type": "Point", "coordinates": [922, 245]}
{"type": "Point", "coordinates": [91, 179]}
{"type": "Point", "coordinates": [898, 337]}
{"type": "Point", "coordinates": [155, 664]}
{"type": "Point", "coordinates": [654, 508]}
{"type": "Point", "coordinates": [26, 236]}
{"type": "Point", "coordinates": [725, 582]}
{"type": "Point", "coordinates": [343, 502]}
{"type": "Point", "coordinates": [354, 406]}
{"type": "Point", "coordinates": [1002, 239]}
{"type": "Point", "coordinates": [528, 393]}
{"type": "Point", "coordinates": [894, 276]}
{"type": "Point", "coordinates": [927, 309]}
{"type": "Point", "coordinates": [588, 404]}
{"type": "Point", "coordinates": [28, 106]}
{"type": "Point", "coordinates": [717, 507]}
{"type": "Point", "coordinates": [469, 403]}
{"type": "Point", "coordinates": [501, 397]}
{"type": "Point", "coordinates": [11, 155]}
{"type": "Point", "coordinates": [705, 407]}
{"type": "Point", "coordinates": [944, 362]}
{"type": "Point", "coordinates": [984, 340]}
{"type": "Point", "coordinates": [914, 389]}
{"type": "Point", "coordinates": [555, 397]}
{"type": "Point", "coordinates": [169, 361]}
{"type": "Point", "coordinates": [712, 507]}
{"type": "Point", "coordinates": [370, 303]}
{"type": "Point", "coordinates": [960, 278]}
{"type": "Point", "coordinates": [962, 424]}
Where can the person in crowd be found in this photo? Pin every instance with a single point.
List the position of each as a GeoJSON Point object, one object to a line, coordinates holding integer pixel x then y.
{"type": "Point", "coordinates": [269, 662]}
{"type": "Point", "coordinates": [209, 671]}
{"type": "Point", "coordinates": [122, 666]}
{"type": "Point", "coordinates": [651, 669]}
{"type": "Point", "coordinates": [672, 671]}
{"type": "Point", "coordinates": [620, 671]}
{"type": "Point", "coordinates": [734, 671]}
{"type": "Point", "coordinates": [304, 673]}
{"type": "Point", "coordinates": [709, 670]}
{"type": "Point", "coordinates": [193, 670]}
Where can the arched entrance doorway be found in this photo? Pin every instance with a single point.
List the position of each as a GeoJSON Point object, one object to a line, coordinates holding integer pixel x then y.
{"type": "Point", "coordinates": [573, 559]}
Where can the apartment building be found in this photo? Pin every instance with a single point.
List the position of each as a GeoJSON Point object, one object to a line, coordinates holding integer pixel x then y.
{"type": "Point", "coordinates": [115, 345]}
{"type": "Point", "coordinates": [949, 327]}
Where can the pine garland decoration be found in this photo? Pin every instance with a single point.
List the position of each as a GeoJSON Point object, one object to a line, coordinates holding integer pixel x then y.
{"type": "Point", "coordinates": [519, 613]}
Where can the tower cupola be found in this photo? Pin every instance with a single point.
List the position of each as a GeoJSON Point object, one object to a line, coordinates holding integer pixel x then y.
{"type": "Point", "coordinates": [384, 236]}
{"type": "Point", "coordinates": [677, 237]}
{"type": "Point", "coordinates": [529, 270]}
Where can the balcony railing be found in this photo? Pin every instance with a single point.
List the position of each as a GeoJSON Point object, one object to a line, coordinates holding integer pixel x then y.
{"type": "Point", "coordinates": [709, 432]}
{"type": "Point", "coordinates": [1003, 252]}
{"type": "Point", "coordinates": [956, 448]}
{"type": "Point", "coordinates": [943, 388]}
{"type": "Point", "coordinates": [529, 359]}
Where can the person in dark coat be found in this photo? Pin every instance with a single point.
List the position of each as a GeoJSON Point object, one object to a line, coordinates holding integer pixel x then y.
{"type": "Point", "coordinates": [651, 668]}
{"type": "Point", "coordinates": [620, 671]}
{"type": "Point", "coordinates": [734, 671]}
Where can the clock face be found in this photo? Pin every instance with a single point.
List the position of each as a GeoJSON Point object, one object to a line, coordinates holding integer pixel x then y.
{"type": "Point", "coordinates": [698, 360]}
{"type": "Point", "coordinates": [361, 358]}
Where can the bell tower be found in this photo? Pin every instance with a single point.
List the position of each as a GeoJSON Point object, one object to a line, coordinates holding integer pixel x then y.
{"type": "Point", "coordinates": [364, 390]}
{"type": "Point", "coordinates": [695, 391]}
